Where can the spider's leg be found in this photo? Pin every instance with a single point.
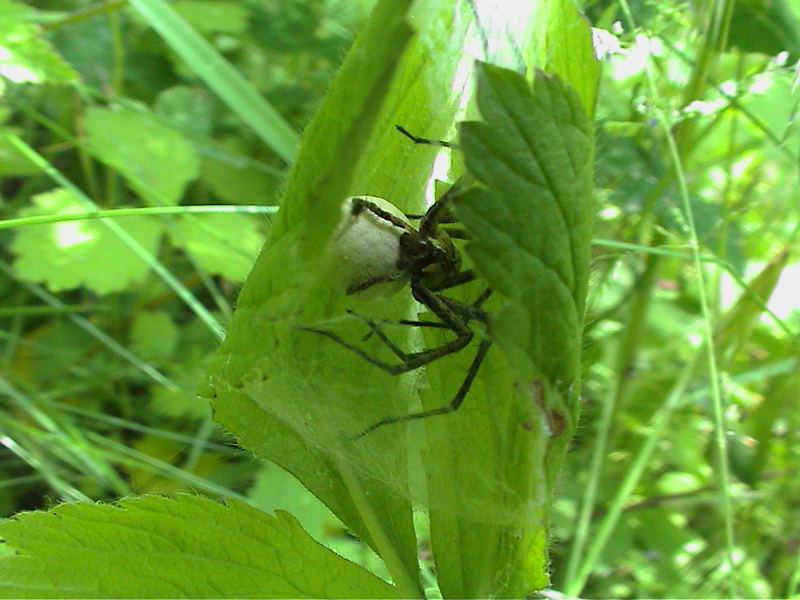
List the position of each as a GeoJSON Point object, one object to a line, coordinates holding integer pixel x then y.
{"type": "Point", "coordinates": [360, 287]}
{"type": "Point", "coordinates": [359, 204]}
{"type": "Point", "coordinates": [421, 140]}
{"type": "Point", "coordinates": [454, 404]}
{"type": "Point", "coordinates": [374, 328]}
{"type": "Point", "coordinates": [412, 360]}
{"type": "Point", "coordinates": [455, 280]}
{"type": "Point", "coordinates": [439, 306]}
{"type": "Point", "coordinates": [413, 323]}
{"type": "Point", "coordinates": [456, 233]}
{"type": "Point", "coordinates": [447, 217]}
{"type": "Point", "coordinates": [455, 314]}
{"type": "Point", "coordinates": [467, 311]}
{"type": "Point", "coordinates": [409, 360]}
{"type": "Point", "coordinates": [482, 298]}
{"type": "Point", "coordinates": [409, 322]}
{"type": "Point", "coordinates": [440, 212]}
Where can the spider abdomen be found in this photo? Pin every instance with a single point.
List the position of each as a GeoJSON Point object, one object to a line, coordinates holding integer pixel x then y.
{"type": "Point", "coordinates": [365, 247]}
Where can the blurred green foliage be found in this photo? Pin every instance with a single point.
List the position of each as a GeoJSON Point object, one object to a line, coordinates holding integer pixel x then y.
{"type": "Point", "coordinates": [101, 361]}
{"type": "Point", "coordinates": [101, 357]}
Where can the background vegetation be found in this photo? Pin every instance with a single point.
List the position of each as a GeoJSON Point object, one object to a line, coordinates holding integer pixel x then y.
{"type": "Point", "coordinates": [682, 480]}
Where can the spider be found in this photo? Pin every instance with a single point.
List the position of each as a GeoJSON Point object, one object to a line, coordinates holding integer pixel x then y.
{"type": "Point", "coordinates": [380, 247]}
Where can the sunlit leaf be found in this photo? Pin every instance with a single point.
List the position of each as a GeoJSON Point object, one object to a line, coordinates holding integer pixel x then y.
{"type": "Point", "coordinates": [81, 253]}
{"type": "Point", "coordinates": [186, 547]}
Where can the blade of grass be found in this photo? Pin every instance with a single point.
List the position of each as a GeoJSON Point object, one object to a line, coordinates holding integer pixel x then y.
{"type": "Point", "coordinates": [706, 258]}
{"type": "Point", "coordinates": [96, 333]}
{"type": "Point", "coordinates": [711, 358]}
{"type": "Point", "coordinates": [600, 536]}
{"type": "Point", "coordinates": [48, 311]}
{"type": "Point", "coordinates": [136, 212]}
{"type": "Point", "coordinates": [40, 464]}
{"type": "Point", "coordinates": [122, 454]}
{"type": "Point", "coordinates": [575, 583]}
{"type": "Point", "coordinates": [143, 429]}
{"type": "Point", "coordinates": [221, 77]}
{"type": "Point", "coordinates": [60, 439]}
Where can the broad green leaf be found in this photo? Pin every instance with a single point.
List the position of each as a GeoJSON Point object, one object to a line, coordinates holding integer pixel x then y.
{"type": "Point", "coordinates": [231, 256]}
{"type": "Point", "coordinates": [530, 224]}
{"type": "Point", "coordinates": [270, 382]}
{"type": "Point", "coordinates": [95, 61]}
{"type": "Point", "coordinates": [25, 56]}
{"type": "Point", "coordinates": [255, 184]}
{"type": "Point", "coordinates": [765, 26]}
{"type": "Point", "coordinates": [187, 109]}
{"type": "Point", "coordinates": [566, 49]}
{"type": "Point", "coordinates": [157, 160]}
{"type": "Point", "coordinates": [275, 489]}
{"type": "Point", "coordinates": [12, 161]}
{"type": "Point", "coordinates": [74, 253]}
{"type": "Point", "coordinates": [209, 16]}
{"type": "Point", "coordinates": [153, 335]}
{"type": "Point", "coordinates": [183, 547]}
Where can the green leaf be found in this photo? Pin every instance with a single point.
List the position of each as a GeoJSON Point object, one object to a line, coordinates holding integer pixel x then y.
{"type": "Point", "coordinates": [767, 26]}
{"type": "Point", "coordinates": [12, 161]}
{"type": "Point", "coordinates": [95, 62]}
{"type": "Point", "coordinates": [255, 184]}
{"type": "Point", "coordinates": [209, 16]}
{"type": "Point", "coordinates": [288, 395]}
{"type": "Point", "coordinates": [530, 226]}
{"type": "Point", "coordinates": [156, 160]}
{"type": "Point", "coordinates": [154, 335]}
{"type": "Point", "coordinates": [532, 222]}
{"type": "Point", "coordinates": [25, 56]}
{"type": "Point", "coordinates": [186, 109]}
{"type": "Point", "coordinates": [231, 256]}
{"type": "Point", "coordinates": [74, 253]}
{"type": "Point", "coordinates": [183, 547]}
{"type": "Point", "coordinates": [567, 50]}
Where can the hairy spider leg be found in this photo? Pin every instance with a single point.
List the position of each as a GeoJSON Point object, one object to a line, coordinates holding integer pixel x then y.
{"type": "Point", "coordinates": [409, 360]}
{"type": "Point", "coordinates": [454, 315]}
{"type": "Point", "coordinates": [455, 403]}
{"type": "Point", "coordinates": [456, 233]}
{"type": "Point", "coordinates": [454, 280]}
{"type": "Point", "coordinates": [439, 212]}
{"type": "Point", "coordinates": [467, 312]}
{"type": "Point", "coordinates": [360, 287]}
{"type": "Point", "coordinates": [421, 140]}
{"type": "Point", "coordinates": [438, 215]}
{"type": "Point", "coordinates": [359, 205]}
